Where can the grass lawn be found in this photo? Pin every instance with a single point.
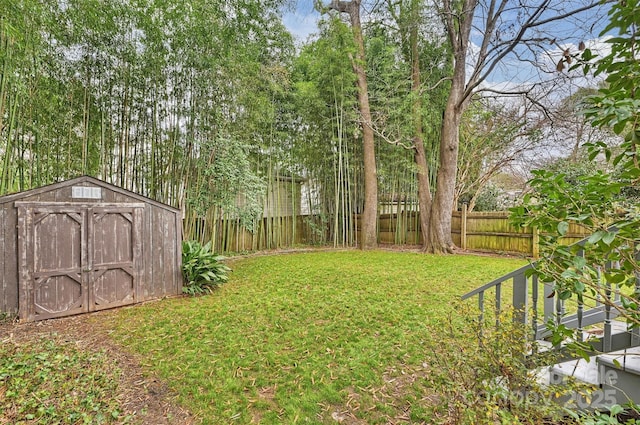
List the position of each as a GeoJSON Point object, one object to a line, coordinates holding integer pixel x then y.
{"type": "Point", "coordinates": [318, 337]}
{"type": "Point", "coordinates": [48, 381]}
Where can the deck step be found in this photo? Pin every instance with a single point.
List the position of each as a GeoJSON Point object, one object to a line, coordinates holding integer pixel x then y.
{"type": "Point", "coordinates": [620, 375]}
{"type": "Point", "coordinates": [615, 377]}
{"type": "Point", "coordinates": [584, 371]}
{"type": "Point", "coordinates": [587, 371]}
{"type": "Point", "coordinates": [620, 337]}
{"type": "Point", "coordinates": [581, 369]}
{"type": "Point", "coordinates": [627, 360]}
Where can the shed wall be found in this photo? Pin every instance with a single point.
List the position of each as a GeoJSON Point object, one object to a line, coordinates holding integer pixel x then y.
{"type": "Point", "coordinates": [160, 272]}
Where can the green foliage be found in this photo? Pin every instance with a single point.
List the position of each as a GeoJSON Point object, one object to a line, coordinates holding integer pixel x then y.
{"type": "Point", "coordinates": [149, 96]}
{"type": "Point", "coordinates": [483, 374]}
{"type": "Point", "coordinates": [615, 416]}
{"type": "Point", "coordinates": [617, 105]}
{"type": "Point", "coordinates": [202, 269]}
{"type": "Point", "coordinates": [328, 142]}
{"type": "Point", "coordinates": [53, 382]}
{"type": "Point", "coordinates": [593, 200]}
{"type": "Point", "coordinates": [574, 169]}
{"type": "Point", "coordinates": [389, 73]}
{"type": "Point", "coordinates": [299, 337]}
{"type": "Point", "coordinates": [576, 270]}
{"type": "Point", "coordinates": [488, 199]}
{"type": "Point", "coordinates": [5, 317]}
{"type": "Point", "coordinates": [198, 106]}
{"type": "Point", "coordinates": [327, 149]}
{"type": "Point", "coordinates": [228, 182]}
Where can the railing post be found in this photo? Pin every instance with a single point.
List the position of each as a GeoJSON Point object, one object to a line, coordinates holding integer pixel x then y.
{"type": "Point", "coordinates": [635, 331]}
{"type": "Point", "coordinates": [498, 305]}
{"type": "Point", "coordinates": [606, 338]}
{"type": "Point", "coordinates": [549, 302]}
{"type": "Point", "coordinates": [580, 313]}
{"type": "Point", "coordinates": [520, 298]}
{"type": "Point", "coordinates": [559, 314]}
{"type": "Point", "coordinates": [535, 295]}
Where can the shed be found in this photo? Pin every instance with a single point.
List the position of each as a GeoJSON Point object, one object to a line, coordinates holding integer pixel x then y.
{"type": "Point", "coordinates": [85, 245]}
{"type": "Point", "coordinates": [284, 196]}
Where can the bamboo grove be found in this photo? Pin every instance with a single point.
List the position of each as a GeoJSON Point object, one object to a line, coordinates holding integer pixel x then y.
{"type": "Point", "coordinates": [212, 107]}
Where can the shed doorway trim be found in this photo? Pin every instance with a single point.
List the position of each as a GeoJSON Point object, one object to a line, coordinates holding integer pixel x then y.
{"type": "Point", "coordinates": [77, 258]}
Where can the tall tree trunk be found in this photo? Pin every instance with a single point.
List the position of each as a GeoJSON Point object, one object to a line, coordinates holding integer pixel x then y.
{"type": "Point", "coordinates": [420, 158]}
{"type": "Point", "coordinates": [369, 234]}
{"type": "Point", "coordinates": [458, 30]}
{"type": "Point", "coordinates": [424, 188]}
{"type": "Point", "coordinates": [439, 234]}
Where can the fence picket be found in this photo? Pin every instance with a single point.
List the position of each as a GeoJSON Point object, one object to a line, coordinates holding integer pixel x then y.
{"type": "Point", "coordinates": [475, 231]}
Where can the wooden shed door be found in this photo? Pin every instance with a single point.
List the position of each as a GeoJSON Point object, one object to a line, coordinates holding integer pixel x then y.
{"type": "Point", "coordinates": [77, 259]}
{"type": "Point", "coordinates": [111, 249]}
{"type": "Point", "coordinates": [55, 257]}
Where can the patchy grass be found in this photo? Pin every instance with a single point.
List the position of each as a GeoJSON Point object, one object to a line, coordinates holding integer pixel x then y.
{"type": "Point", "coordinates": [48, 381]}
{"type": "Point", "coordinates": [320, 337]}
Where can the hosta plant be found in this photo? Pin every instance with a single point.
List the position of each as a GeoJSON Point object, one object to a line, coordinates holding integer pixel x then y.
{"type": "Point", "coordinates": [202, 269]}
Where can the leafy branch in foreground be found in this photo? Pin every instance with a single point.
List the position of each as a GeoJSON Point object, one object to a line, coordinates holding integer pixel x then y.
{"type": "Point", "coordinates": [202, 269]}
{"type": "Point", "coordinates": [609, 260]}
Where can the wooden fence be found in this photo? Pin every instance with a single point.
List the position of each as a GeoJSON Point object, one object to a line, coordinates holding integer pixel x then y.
{"type": "Point", "coordinates": [476, 231]}
{"type": "Point", "coordinates": [492, 232]}
{"type": "Point", "coordinates": [270, 233]}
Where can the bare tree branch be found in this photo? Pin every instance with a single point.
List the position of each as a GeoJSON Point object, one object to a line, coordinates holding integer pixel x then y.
{"type": "Point", "coordinates": [484, 67]}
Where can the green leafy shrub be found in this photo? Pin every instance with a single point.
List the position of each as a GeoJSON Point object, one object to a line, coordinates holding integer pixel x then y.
{"type": "Point", "coordinates": [617, 415]}
{"type": "Point", "coordinates": [483, 374]}
{"type": "Point", "coordinates": [202, 269]}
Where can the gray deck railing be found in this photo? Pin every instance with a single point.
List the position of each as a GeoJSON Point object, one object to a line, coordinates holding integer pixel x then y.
{"type": "Point", "coordinates": [530, 297]}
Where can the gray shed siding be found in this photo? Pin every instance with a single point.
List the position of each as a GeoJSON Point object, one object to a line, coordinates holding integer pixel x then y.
{"type": "Point", "coordinates": [161, 238]}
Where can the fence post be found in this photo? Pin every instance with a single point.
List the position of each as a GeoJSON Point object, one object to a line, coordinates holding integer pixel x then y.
{"type": "Point", "coordinates": [535, 242]}
{"type": "Point", "coordinates": [463, 227]}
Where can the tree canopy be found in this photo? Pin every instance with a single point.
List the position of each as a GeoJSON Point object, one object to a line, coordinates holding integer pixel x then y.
{"type": "Point", "coordinates": [212, 106]}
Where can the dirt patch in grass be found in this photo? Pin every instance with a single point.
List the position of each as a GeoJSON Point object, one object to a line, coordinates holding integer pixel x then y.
{"type": "Point", "coordinates": [142, 397]}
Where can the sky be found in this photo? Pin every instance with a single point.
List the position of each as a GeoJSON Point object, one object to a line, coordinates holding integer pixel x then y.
{"type": "Point", "coordinates": [510, 74]}
{"type": "Point", "coordinates": [302, 22]}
